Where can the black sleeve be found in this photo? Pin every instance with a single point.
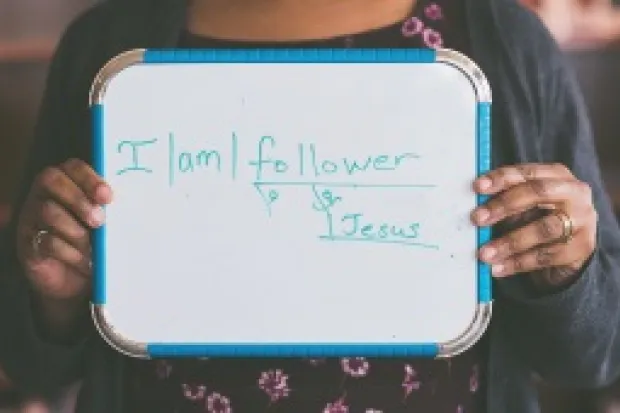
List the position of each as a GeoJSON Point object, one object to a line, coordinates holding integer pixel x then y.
{"type": "Point", "coordinates": [34, 365]}
{"type": "Point", "coordinates": [571, 338]}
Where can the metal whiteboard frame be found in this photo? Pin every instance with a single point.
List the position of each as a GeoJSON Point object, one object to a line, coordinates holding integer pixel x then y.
{"type": "Point", "coordinates": [448, 349]}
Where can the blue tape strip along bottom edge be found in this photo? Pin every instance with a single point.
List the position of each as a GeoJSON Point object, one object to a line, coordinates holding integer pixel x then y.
{"type": "Point", "coordinates": [296, 350]}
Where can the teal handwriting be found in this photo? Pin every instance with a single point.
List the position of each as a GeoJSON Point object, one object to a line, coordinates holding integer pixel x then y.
{"type": "Point", "coordinates": [135, 162]}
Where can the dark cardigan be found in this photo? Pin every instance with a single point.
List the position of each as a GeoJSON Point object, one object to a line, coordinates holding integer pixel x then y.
{"type": "Point", "coordinates": [568, 339]}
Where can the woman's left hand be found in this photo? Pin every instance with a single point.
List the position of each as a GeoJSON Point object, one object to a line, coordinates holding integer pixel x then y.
{"type": "Point", "coordinates": [564, 238]}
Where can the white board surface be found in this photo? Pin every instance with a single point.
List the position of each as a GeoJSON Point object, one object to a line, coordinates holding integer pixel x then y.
{"type": "Point", "coordinates": [300, 205]}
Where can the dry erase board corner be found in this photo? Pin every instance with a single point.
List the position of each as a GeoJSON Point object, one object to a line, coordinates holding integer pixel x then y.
{"type": "Point", "coordinates": [159, 350]}
{"type": "Point", "coordinates": [101, 320]}
{"type": "Point", "coordinates": [289, 56]}
{"type": "Point", "coordinates": [470, 69]}
{"type": "Point", "coordinates": [113, 67]}
{"type": "Point", "coordinates": [474, 332]}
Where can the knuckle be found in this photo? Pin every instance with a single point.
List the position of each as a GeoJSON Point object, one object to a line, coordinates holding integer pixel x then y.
{"type": "Point", "coordinates": [513, 243]}
{"type": "Point", "coordinates": [560, 168]}
{"type": "Point", "coordinates": [76, 231]}
{"type": "Point", "coordinates": [50, 177]}
{"type": "Point", "coordinates": [544, 257]}
{"type": "Point", "coordinates": [497, 204]}
{"type": "Point", "coordinates": [548, 228]}
{"type": "Point", "coordinates": [500, 174]}
{"type": "Point", "coordinates": [585, 190]}
{"type": "Point", "coordinates": [518, 264]}
{"type": "Point", "coordinates": [527, 172]}
{"type": "Point", "coordinates": [73, 165]}
{"type": "Point", "coordinates": [539, 188]}
{"type": "Point", "coordinates": [49, 211]}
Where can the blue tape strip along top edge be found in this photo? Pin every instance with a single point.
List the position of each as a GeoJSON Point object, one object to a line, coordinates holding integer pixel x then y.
{"type": "Point", "coordinates": [98, 296]}
{"type": "Point", "coordinates": [289, 56]}
{"type": "Point", "coordinates": [484, 166]}
{"type": "Point", "coordinates": [297, 350]}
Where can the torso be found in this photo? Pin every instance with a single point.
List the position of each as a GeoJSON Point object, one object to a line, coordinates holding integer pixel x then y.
{"type": "Point", "coordinates": [353, 385]}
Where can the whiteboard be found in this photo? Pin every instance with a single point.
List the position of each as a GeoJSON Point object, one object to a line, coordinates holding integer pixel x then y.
{"type": "Point", "coordinates": [291, 202]}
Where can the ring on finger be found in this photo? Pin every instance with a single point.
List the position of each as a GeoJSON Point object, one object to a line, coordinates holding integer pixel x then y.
{"type": "Point", "coordinates": [37, 240]}
{"type": "Point", "coordinates": [567, 226]}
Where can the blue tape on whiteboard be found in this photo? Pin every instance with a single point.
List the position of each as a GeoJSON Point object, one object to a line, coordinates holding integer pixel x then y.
{"type": "Point", "coordinates": [99, 233]}
{"type": "Point", "coordinates": [297, 350]}
{"type": "Point", "coordinates": [291, 56]}
{"type": "Point", "coordinates": [484, 166]}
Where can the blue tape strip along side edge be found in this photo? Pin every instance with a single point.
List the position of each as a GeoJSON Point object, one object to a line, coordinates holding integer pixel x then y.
{"type": "Point", "coordinates": [484, 166]}
{"type": "Point", "coordinates": [297, 350]}
{"type": "Point", "coordinates": [290, 56]}
{"type": "Point", "coordinates": [99, 233]}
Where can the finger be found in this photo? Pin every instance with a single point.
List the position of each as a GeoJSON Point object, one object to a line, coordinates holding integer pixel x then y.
{"type": "Point", "coordinates": [88, 181]}
{"type": "Point", "coordinates": [525, 196]}
{"type": "Point", "coordinates": [554, 255]}
{"type": "Point", "coordinates": [543, 231]}
{"type": "Point", "coordinates": [58, 220]}
{"type": "Point", "coordinates": [505, 177]}
{"type": "Point", "coordinates": [52, 246]}
{"type": "Point", "coordinates": [56, 184]}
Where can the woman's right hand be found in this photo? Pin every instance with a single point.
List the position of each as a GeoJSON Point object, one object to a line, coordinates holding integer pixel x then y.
{"type": "Point", "coordinates": [53, 233]}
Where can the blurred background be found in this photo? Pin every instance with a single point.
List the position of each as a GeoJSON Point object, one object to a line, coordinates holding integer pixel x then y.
{"type": "Point", "coordinates": [588, 30]}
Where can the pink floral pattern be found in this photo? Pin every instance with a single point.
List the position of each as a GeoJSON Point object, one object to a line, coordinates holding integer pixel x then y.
{"type": "Point", "coordinates": [336, 407]}
{"type": "Point", "coordinates": [412, 27]}
{"type": "Point", "coordinates": [433, 11]}
{"type": "Point", "coordinates": [325, 385]}
{"type": "Point", "coordinates": [355, 367]}
{"type": "Point", "coordinates": [410, 382]}
{"type": "Point", "coordinates": [432, 38]}
{"type": "Point", "coordinates": [216, 403]}
{"type": "Point", "coordinates": [274, 383]}
{"type": "Point", "coordinates": [194, 392]}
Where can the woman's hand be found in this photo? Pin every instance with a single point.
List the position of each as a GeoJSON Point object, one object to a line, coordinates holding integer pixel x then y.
{"type": "Point", "coordinates": [563, 237]}
{"type": "Point", "coordinates": [53, 241]}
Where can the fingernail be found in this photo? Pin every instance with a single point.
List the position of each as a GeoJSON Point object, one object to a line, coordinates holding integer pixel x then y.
{"type": "Point", "coordinates": [488, 253]}
{"type": "Point", "coordinates": [97, 216]}
{"type": "Point", "coordinates": [484, 183]}
{"type": "Point", "coordinates": [481, 215]}
{"type": "Point", "coordinates": [103, 194]}
{"type": "Point", "coordinates": [497, 269]}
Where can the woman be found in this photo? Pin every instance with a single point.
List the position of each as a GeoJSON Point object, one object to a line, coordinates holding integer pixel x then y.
{"type": "Point", "coordinates": [557, 272]}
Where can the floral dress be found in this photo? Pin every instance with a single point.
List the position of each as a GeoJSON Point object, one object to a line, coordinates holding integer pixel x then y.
{"type": "Point", "coordinates": [344, 385]}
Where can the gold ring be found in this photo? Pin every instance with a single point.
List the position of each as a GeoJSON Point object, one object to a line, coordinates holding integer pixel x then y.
{"type": "Point", "coordinates": [567, 225]}
{"type": "Point", "coordinates": [37, 240]}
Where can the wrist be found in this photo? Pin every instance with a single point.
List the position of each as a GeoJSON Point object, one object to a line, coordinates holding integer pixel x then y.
{"type": "Point", "coordinates": [555, 280]}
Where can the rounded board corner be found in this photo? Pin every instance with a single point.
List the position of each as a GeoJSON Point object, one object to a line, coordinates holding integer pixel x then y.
{"type": "Point", "coordinates": [470, 69]}
{"type": "Point", "coordinates": [112, 68]}
{"type": "Point", "coordinates": [474, 332]}
{"type": "Point", "coordinates": [116, 341]}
